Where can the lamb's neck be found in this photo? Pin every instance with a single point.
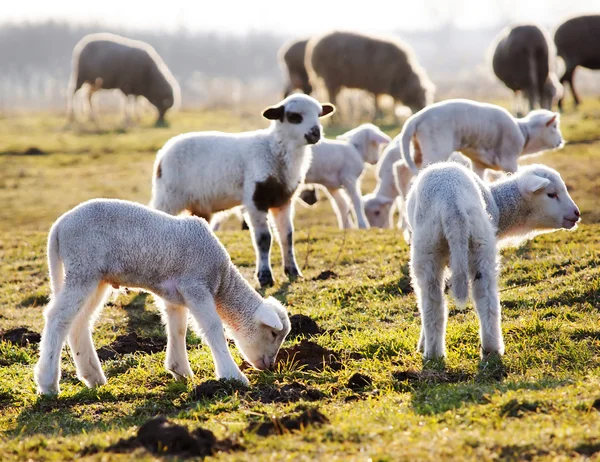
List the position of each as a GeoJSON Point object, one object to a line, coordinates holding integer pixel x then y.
{"type": "Point", "coordinates": [386, 186]}
{"type": "Point", "coordinates": [236, 300]}
{"type": "Point", "coordinates": [291, 156]}
{"type": "Point", "coordinates": [528, 146]}
{"type": "Point", "coordinates": [513, 209]}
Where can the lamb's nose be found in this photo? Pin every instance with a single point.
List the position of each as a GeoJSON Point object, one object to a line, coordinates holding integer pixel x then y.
{"type": "Point", "coordinates": [577, 213]}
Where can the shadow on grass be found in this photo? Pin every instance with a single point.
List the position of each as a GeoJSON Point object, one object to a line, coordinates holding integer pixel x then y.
{"type": "Point", "coordinates": [91, 409]}
{"type": "Point", "coordinates": [437, 389]}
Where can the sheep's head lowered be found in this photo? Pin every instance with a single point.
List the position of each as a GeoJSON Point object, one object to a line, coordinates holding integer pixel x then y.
{"type": "Point", "coordinates": [259, 339]}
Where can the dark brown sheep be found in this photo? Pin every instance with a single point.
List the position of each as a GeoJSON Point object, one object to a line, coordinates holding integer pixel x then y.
{"type": "Point", "coordinates": [578, 44]}
{"type": "Point", "coordinates": [523, 60]}
{"type": "Point", "coordinates": [108, 61]}
{"type": "Point", "coordinates": [291, 58]}
{"type": "Point", "coordinates": [377, 65]}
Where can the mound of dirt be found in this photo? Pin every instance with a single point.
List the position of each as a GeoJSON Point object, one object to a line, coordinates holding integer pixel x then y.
{"type": "Point", "coordinates": [34, 151]}
{"type": "Point", "coordinates": [21, 336]}
{"type": "Point", "coordinates": [211, 388]}
{"type": "Point", "coordinates": [310, 356]}
{"type": "Point", "coordinates": [131, 343]}
{"type": "Point", "coordinates": [303, 326]}
{"type": "Point", "coordinates": [288, 423]}
{"type": "Point", "coordinates": [431, 376]}
{"type": "Point", "coordinates": [289, 393]}
{"type": "Point", "coordinates": [516, 408]}
{"type": "Point", "coordinates": [160, 436]}
{"type": "Point", "coordinates": [359, 381]}
{"type": "Point", "coordinates": [324, 275]}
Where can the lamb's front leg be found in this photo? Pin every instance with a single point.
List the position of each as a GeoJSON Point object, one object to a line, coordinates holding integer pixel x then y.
{"type": "Point", "coordinates": [261, 238]}
{"type": "Point", "coordinates": [283, 219]}
{"type": "Point", "coordinates": [202, 306]}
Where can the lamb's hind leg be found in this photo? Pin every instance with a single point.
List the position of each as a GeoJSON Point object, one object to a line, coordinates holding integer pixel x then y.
{"type": "Point", "coordinates": [177, 362]}
{"type": "Point", "coordinates": [427, 268]}
{"type": "Point", "coordinates": [284, 224]}
{"type": "Point", "coordinates": [59, 315]}
{"type": "Point", "coordinates": [80, 340]}
{"type": "Point", "coordinates": [484, 276]}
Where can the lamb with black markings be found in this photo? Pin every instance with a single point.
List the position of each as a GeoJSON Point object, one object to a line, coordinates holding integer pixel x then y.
{"type": "Point", "coordinates": [208, 172]}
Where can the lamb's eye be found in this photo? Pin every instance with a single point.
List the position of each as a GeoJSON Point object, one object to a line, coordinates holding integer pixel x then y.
{"type": "Point", "coordinates": [294, 117]}
{"type": "Point", "coordinates": [274, 334]}
{"type": "Point", "coordinates": [553, 195]}
{"type": "Point", "coordinates": [376, 213]}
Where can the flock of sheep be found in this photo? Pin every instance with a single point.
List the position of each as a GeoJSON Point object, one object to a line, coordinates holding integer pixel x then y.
{"type": "Point", "coordinates": [452, 217]}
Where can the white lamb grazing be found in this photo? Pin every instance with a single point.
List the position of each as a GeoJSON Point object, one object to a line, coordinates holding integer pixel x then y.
{"type": "Point", "coordinates": [207, 172]}
{"type": "Point", "coordinates": [340, 164]}
{"type": "Point", "coordinates": [487, 134]}
{"type": "Point", "coordinates": [457, 221]}
{"type": "Point", "coordinates": [104, 243]}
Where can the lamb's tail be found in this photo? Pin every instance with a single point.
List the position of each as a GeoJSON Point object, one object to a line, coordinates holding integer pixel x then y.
{"type": "Point", "coordinates": [408, 131]}
{"type": "Point", "coordinates": [456, 229]}
{"type": "Point", "coordinates": [55, 265]}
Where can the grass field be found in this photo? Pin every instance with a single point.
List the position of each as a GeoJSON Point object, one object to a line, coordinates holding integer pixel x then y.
{"type": "Point", "coordinates": [542, 402]}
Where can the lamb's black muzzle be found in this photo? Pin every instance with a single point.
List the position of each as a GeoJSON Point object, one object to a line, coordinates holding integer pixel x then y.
{"type": "Point", "coordinates": [314, 135]}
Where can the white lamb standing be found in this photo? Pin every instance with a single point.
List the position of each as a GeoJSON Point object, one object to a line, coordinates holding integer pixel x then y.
{"type": "Point", "coordinates": [339, 164]}
{"type": "Point", "coordinates": [104, 243]}
{"type": "Point", "coordinates": [485, 133]}
{"type": "Point", "coordinates": [208, 172]}
{"type": "Point", "coordinates": [458, 221]}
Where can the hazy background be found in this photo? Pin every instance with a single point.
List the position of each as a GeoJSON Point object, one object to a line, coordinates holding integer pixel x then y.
{"type": "Point", "coordinates": [225, 53]}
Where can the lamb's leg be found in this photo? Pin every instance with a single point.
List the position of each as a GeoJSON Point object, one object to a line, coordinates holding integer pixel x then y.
{"type": "Point", "coordinates": [283, 219]}
{"type": "Point", "coordinates": [80, 340]}
{"type": "Point", "coordinates": [177, 362]}
{"type": "Point", "coordinates": [340, 207]}
{"type": "Point", "coordinates": [59, 315]}
{"type": "Point", "coordinates": [427, 267]}
{"type": "Point", "coordinates": [92, 107]}
{"type": "Point", "coordinates": [484, 278]}
{"type": "Point", "coordinates": [202, 306]}
{"type": "Point", "coordinates": [353, 190]}
{"type": "Point", "coordinates": [261, 238]}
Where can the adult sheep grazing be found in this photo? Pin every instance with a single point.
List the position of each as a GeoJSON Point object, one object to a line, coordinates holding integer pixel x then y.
{"type": "Point", "coordinates": [485, 133]}
{"type": "Point", "coordinates": [577, 42]}
{"type": "Point", "coordinates": [377, 65]}
{"type": "Point", "coordinates": [208, 172]}
{"type": "Point", "coordinates": [103, 243]}
{"type": "Point", "coordinates": [523, 60]}
{"type": "Point", "coordinates": [291, 59]}
{"type": "Point", "coordinates": [457, 220]}
{"type": "Point", "coordinates": [108, 61]}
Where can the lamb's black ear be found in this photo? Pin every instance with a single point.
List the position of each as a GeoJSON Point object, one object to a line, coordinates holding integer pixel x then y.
{"type": "Point", "coordinates": [327, 109]}
{"type": "Point", "coordinates": [274, 113]}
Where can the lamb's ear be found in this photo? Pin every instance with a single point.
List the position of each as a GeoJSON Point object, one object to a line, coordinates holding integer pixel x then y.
{"type": "Point", "coordinates": [268, 316]}
{"type": "Point", "coordinates": [327, 109]}
{"type": "Point", "coordinates": [530, 184]}
{"type": "Point", "coordinates": [380, 138]}
{"type": "Point", "coordinates": [551, 120]}
{"type": "Point", "coordinates": [274, 113]}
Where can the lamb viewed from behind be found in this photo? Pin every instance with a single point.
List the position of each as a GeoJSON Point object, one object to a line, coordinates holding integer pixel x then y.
{"type": "Point", "coordinates": [104, 243]}
{"type": "Point", "coordinates": [485, 133]}
{"type": "Point", "coordinates": [291, 60]}
{"type": "Point", "coordinates": [108, 61]}
{"type": "Point", "coordinates": [208, 172]}
{"type": "Point", "coordinates": [456, 220]}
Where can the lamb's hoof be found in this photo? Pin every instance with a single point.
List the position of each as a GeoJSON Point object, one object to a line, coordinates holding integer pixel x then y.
{"type": "Point", "coordinates": [239, 376]}
{"type": "Point", "coordinates": [265, 278]}
{"type": "Point", "coordinates": [93, 382]}
{"type": "Point", "coordinates": [179, 373]}
{"type": "Point", "coordinates": [293, 273]}
{"type": "Point", "coordinates": [48, 390]}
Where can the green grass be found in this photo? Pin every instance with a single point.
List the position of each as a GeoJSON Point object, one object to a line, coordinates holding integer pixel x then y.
{"type": "Point", "coordinates": [537, 404]}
